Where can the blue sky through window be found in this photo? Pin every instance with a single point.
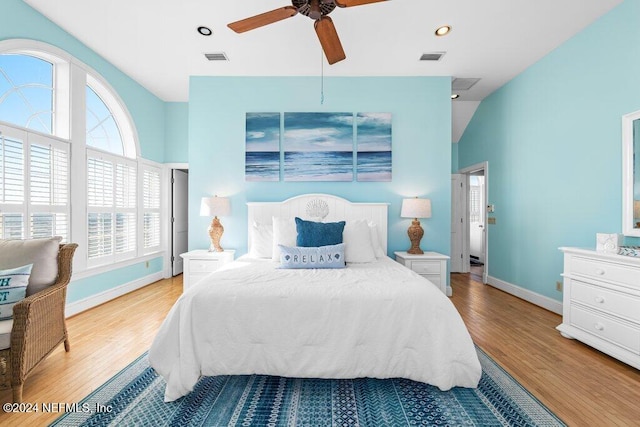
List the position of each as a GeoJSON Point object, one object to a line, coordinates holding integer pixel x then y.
{"type": "Point", "coordinates": [26, 92]}
{"type": "Point", "coordinates": [102, 130]}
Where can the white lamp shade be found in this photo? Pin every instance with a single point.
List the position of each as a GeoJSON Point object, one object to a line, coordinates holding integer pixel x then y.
{"type": "Point", "coordinates": [215, 206]}
{"type": "Point", "coordinates": [416, 208]}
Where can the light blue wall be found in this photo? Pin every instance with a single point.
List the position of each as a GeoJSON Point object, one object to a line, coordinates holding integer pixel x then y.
{"type": "Point", "coordinates": [421, 109]}
{"type": "Point", "coordinates": [552, 137]}
{"type": "Point", "coordinates": [18, 20]}
{"type": "Point", "coordinates": [454, 158]}
{"type": "Point", "coordinates": [176, 131]}
{"type": "Point", "coordinates": [84, 288]}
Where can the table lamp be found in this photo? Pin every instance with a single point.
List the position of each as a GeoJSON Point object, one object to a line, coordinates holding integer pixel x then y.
{"type": "Point", "coordinates": [636, 212]}
{"type": "Point", "coordinates": [415, 208]}
{"type": "Point", "coordinates": [214, 206]}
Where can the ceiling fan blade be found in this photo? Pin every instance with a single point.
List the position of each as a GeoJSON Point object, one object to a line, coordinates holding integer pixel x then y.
{"type": "Point", "coordinates": [329, 40]}
{"type": "Point", "coordinates": [350, 3]}
{"type": "Point", "coordinates": [263, 19]}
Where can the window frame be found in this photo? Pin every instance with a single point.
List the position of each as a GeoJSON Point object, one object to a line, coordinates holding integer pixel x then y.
{"type": "Point", "coordinates": [70, 79]}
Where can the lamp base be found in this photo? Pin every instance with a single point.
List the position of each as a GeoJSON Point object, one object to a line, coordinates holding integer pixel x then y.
{"type": "Point", "coordinates": [415, 233]}
{"type": "Point", "coordinates": [215, 233]}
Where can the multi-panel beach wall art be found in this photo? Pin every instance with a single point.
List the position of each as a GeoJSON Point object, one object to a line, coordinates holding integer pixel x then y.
{"type": "Point", "coordinates": [318, 147]}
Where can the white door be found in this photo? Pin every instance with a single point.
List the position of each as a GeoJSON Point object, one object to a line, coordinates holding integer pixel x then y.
{"type": "Point", "coordinates": [179, 218]}
{"type": "Point", "coordinates": [458, 216]}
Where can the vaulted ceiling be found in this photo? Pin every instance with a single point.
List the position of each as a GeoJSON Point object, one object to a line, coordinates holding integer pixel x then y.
{"type": "Point", "coordinates": [156, 42]}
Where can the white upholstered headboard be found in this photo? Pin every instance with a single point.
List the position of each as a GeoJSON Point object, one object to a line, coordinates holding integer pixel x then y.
{"type": "Point", "coordinates": [314, 206]}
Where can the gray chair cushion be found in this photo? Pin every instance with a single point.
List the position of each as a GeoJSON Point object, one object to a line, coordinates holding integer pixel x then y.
{"type": "Point", "coordinates": [42, 253]}
{"type": "Point", "coordinates": [5, 333]}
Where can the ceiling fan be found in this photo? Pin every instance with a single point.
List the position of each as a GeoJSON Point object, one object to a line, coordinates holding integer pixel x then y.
{"type": "Point", "coordinates": [314, 9]}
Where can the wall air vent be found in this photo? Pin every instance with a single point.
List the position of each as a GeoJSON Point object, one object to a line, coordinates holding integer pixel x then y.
{"type": "Point", "coordinates": [463, 84]}
{"type": "Point", "coordinates": [220, 56]}
{"type": "Point", "coordinates": [433, 56]}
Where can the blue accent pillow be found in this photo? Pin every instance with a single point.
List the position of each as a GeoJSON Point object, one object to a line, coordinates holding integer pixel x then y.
{"type": "Point", "coordinates": [13, 288]}
{"type": "Point", "coordinates": [331, 256]}
{"type": "Point", "coordinates": [314, 234]}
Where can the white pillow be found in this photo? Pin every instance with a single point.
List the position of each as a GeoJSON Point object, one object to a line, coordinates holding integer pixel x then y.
{"type": "Point", "coordinates": [357, 242]}
{"type": "Point", "coordinates": [375, 241]}
{"type": "Point", "coordinates": [284, 233]}
{"type": "Point", "coordinates": [261, 241]}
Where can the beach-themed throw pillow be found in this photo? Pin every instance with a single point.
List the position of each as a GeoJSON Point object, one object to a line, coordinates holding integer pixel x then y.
{"type": "Point", "coordinates": [314, 234]}
{"type": "Point", "coordinates": [13, 288]}
{"type": "Point", "coordinates": [331, 256]}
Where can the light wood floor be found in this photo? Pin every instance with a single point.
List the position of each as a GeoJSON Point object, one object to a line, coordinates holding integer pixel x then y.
{"type": "Point", "coordinates": [581, 385]}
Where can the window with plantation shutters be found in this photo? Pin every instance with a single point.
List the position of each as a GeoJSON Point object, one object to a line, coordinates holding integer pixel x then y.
{"type": "Point", "coordinates": [11, 187]}
{"type": "Point", "coordinates": [91, 187]}
{"type": "Point", "coordinates": [49, 189]}
{"type": "Point", "coordinates": [111, 208]}
{"type": "Point", "coordinates": [151, 208]}
{"type": "Point", "coordinates": [34, 185]}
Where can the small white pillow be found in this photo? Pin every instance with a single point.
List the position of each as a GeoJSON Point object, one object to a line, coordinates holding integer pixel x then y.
{"type": "Point", "coordinates": [375, 241]}
{"type": "Point", "coordinates": [357, 242]}
{"type": "Point", "coordinates": [284, 233]}
{"type": "Point", "coordinates": [261, 240]}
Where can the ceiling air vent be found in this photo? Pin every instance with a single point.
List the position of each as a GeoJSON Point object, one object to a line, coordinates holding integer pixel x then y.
{"type": "Point", "coordinates": [433, 56]}
{"type": "Point", "coordinates": [221, 56]}
{"type": "Point", "coordinates": [463, 84]}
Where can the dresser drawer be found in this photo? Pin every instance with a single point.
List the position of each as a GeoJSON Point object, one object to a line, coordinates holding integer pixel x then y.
{"type": "Point", "coordinates": [627, 306]}
{"type": "Point", "coordinates": [426, 267]}
{"type": "Point", "coordinates": [204, 265]}
{"type": "Point", "coordinates": [606, 271]}
{"type": "Point", "coordinates": [606, 328]}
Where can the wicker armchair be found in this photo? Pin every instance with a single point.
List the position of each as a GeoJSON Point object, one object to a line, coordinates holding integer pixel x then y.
{"type": "Point", "coordinates": [38, 327]}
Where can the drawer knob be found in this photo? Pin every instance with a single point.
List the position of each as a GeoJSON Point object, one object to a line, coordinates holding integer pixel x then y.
{"type": "Point", "coordinates": [599, 326]}
{"type": "Point", "coordinates": [599, 271]}
{"type": "Point", "coordinates": [600, 300]}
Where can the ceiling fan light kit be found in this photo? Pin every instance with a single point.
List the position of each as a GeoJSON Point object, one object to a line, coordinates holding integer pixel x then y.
{"type": "Point", "coordinates": [314, 9]}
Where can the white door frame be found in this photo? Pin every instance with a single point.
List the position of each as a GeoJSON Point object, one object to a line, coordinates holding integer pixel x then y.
{"type": "Point", "coordinates": [166, 208]}
{"type": "Point", "coordinates": [466, 245]}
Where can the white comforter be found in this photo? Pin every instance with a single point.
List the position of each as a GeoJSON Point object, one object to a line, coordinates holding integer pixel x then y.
{"type": "Point", "coordinates": [376, 320]}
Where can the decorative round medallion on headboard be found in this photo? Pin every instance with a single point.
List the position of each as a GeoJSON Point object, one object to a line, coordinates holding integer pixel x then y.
{"type": "Point", "coordinates": [317, 208]}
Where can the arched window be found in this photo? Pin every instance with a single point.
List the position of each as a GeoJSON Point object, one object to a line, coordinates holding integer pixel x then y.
{"type": "Point", "coordinates": [116, 197]}
{"type": "Point", "coordinates": [26, 92]}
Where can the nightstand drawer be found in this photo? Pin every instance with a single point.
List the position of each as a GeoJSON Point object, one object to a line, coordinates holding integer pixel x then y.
{"type": "Point", "coordinates": [606, 328]}
{"type": "Point", "coordinates": [426, 267]}
{"type": "Point", "coordinates": [204, 265]}
{"type": "Point", "coordinates": [605, 271]}
{"type": "Point", "coordinates": [627, 306]}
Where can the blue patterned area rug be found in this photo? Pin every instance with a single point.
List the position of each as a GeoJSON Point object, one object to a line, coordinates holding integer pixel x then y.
{"type": "Point", "coordinates": [134, 397]}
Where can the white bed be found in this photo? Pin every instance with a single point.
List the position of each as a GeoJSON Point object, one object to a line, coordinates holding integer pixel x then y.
{"type": "Point", "coordinates": [376, 319]}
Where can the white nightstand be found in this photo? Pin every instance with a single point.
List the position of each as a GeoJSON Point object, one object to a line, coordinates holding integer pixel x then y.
{"type": "Point", "coordinates": [430, 265]}
{"type": "Point", "coordinates": [200, 262]}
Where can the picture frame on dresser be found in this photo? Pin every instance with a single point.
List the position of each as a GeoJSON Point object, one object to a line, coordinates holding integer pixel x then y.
{"type": "Point", "coordinates": [601, 302]}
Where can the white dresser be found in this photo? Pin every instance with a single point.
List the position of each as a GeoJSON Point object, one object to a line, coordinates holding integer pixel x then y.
{"type": "Point", "coordinates": [200, 262]}
{"type": "Point", "coordinates": [601, 302]}
{"type": "Point", "coordinates": [430, 265]}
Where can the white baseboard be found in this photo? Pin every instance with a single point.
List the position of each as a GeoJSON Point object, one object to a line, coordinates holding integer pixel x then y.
{"type": "Point", "coordinates": [102, 297]}
{"type": "Point", "coordinates": [527, 295]}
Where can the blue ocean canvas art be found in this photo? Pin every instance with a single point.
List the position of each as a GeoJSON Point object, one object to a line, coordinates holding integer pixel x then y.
{"type": "Point", "coordinates": [262, 155]}
{"type": "Point", "coordinates": [318, 146]}
{"type": "Point", "coordinates": [373, 132]}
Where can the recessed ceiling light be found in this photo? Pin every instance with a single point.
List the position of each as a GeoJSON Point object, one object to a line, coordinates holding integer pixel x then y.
{"type": "Point", "coordinates": [443, 31]}
{"type": "Point", "coordinates": [455, 96]}
{"type": "Point", "coordinates": [205, 31]}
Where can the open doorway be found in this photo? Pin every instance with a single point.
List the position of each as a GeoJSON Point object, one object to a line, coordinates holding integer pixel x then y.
{"type": "Point", "coordinates": [179, 218]}
{"type": "Point", "coordinates": [469, 234]}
